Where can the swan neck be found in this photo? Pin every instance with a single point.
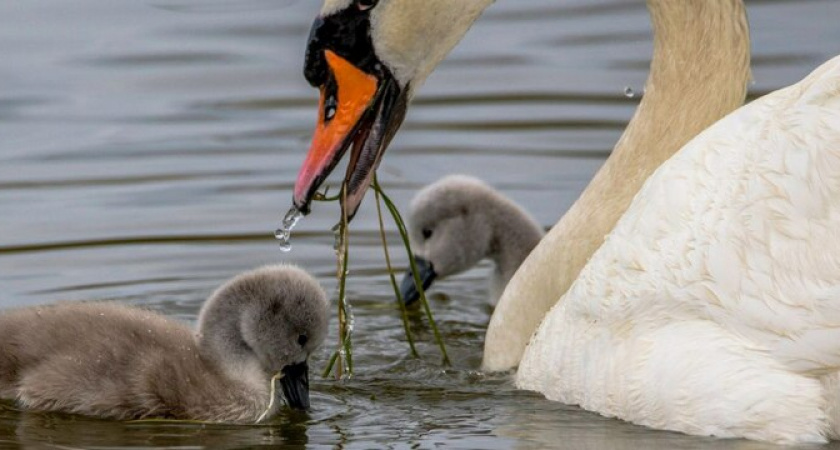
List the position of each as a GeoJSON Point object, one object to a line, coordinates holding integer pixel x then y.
{"type": "Point", "coordinates": [699, 73]}
{"type": "Point", "coordinates": [515, 234]}
{"type": "Point", "coordinates": [219, 335]}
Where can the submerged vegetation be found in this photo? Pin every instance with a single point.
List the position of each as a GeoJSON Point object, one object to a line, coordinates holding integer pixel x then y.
{"type": "Point", "coordinates": [340, 363]}
{"type": "Point", "coordinates": [398, 221]}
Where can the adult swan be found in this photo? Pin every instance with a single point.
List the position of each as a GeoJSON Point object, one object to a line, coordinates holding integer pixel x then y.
{"type": "Point", "coordinates": [713, 307]}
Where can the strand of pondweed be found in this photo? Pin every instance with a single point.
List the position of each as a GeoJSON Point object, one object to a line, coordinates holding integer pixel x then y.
{"type": "Point", "coordinates": [344, 313]}
{"type": "Point", "coordinates": [343, 357]}
{"type": "Point", "coordinates": [344, 351]}
{"type": "Point", "coordinates": [273, 393]}
{"type": "Point", "coordinates": [348, 309]}
{"type": "Point", "coordinates": [398, 220]}
{"type": "Point", "coordinates": [398, 295]}
{"type": "Point", "coordinates": [324, 196]}
{"type": "Point", "coordinates": [330, 365]}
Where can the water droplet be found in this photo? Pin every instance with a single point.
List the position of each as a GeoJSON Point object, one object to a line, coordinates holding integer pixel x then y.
{"type": "Point", "coordinates": [337, 241]}
{"type": "Point", "coordinates": [284, 233]}
{"type": "Point", "coordinates": [629, 92]}
{"type": "Point", "coordinates": [351, 318]}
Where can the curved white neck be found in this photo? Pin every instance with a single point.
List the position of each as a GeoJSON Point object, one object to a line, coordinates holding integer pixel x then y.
{"type": "Point", "coordinates": [699, 73]}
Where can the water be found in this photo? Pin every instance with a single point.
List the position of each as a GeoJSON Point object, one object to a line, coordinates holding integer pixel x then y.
{"type": "Point", "coordinates": [284, 233]}
{"type": "Point", "coordinates": [146, 146]}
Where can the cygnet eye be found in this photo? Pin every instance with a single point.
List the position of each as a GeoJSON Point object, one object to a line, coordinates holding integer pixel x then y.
{"type": "Point", "coordinates": [365, 5]}
{"type": "Point", "coordinates": [427, 233]}
{"type": "Point", "coordinates": [302, 340]}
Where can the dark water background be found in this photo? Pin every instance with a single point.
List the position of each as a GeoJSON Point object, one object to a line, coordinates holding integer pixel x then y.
{"type": "Point", "coordinates": [148, 149]}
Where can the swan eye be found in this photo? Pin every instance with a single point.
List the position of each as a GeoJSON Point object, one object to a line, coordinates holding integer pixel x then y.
{"type": "Point", "coordinates": [302, 340]}
{"type": "Point", "coordinates": [365, 5]}
{"type": "Point", "coordinates": [427, 233]}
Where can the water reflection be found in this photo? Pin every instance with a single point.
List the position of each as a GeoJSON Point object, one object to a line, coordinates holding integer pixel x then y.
{"type": "Point", "coordinates": [76, 432]}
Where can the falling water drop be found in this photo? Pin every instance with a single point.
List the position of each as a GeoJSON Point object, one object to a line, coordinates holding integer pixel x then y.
{"type": "Point", "coordinates": [628, 92]}
{"type": "Point", "coordinates": [351, 323]}
{"type": "Point", "coordinates": [338, 239]}
{"type": "Point", "coordinates": [284, 233]}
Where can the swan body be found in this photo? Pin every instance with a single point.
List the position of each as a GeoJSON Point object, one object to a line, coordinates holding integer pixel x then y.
{"type": "Point", "coordinates": [713, 307]}
{"type": "Point", "coordinates": [457, 222]}
{"type": "Point", "coordinates": [117, 362]}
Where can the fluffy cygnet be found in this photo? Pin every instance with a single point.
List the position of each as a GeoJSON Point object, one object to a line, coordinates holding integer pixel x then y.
{"type": "Point", "coordinates": [114, 361]}
{"type": "Point", "coordinates": [459, 221]}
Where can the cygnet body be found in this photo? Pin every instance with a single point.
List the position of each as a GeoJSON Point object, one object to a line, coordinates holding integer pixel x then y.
{"type": "Point", "coordinates": [118, 362]}
{"type": "Point", "coordinates": [457, 222]}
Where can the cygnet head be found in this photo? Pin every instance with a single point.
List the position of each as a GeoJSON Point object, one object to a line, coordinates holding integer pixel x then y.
{"type": "Point", "coordinates": [459, 221]}
{"type": "Point", "coordinates": [266, 322]}
{"type": "Point", "coordinates": [367, 58]}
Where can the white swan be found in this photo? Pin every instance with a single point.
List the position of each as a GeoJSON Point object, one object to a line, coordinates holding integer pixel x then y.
{"type": "Point", "coordinates": [714, 306]}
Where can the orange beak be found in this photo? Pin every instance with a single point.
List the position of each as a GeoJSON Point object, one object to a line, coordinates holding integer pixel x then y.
{"type": "Point", "coordinates": [345, 101]}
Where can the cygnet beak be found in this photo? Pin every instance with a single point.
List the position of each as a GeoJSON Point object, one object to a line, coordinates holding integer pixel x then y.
{"type": "Point", "coordinates": [295, 383]}
{"type": "Point", "coordinates": [408, 289]}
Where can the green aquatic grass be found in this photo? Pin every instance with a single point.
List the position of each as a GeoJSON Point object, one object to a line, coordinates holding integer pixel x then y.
{"type": "Point", "coordinates": [341, 361]}
{"type": "Point", "coordinates": [273, 393]}
{"type": "Point", "coordinates": [344, 362]}
{"type": "Point", "coordinates": [397, 293]}
{"type": "Point", "coordinates": [398, 220]}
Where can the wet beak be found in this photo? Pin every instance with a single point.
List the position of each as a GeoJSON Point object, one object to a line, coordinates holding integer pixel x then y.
{"type": "Point", "coordinates": [295, 383]}
{"type": "Point", "coordinates": [408, 288]}
{"type": "Point", "coordinates": [356, 109]}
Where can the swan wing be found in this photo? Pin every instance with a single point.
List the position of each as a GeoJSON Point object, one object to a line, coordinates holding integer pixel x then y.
{"type": "Point", "coordinates": [741, 228]}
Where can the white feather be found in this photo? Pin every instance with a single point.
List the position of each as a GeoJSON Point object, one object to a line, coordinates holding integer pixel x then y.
{"type": "Point", "coordinates": [713, 307]}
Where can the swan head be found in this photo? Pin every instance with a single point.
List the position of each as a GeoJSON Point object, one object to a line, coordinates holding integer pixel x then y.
{"type": "Point", "coordinates": [264, 323]}
{"type": "Point", "coordinates": [367, 58]}
{"type": "Point", "coordinates": [451, 229]}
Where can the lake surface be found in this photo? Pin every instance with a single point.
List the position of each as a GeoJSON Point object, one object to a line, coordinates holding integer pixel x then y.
{"type": "Point", "coordinates": [148, 149]}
